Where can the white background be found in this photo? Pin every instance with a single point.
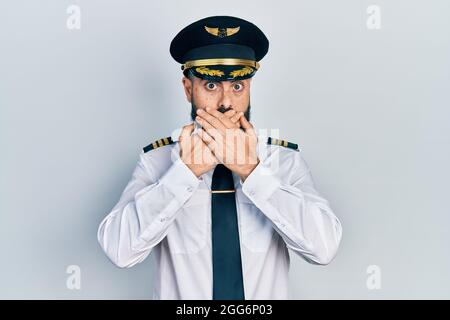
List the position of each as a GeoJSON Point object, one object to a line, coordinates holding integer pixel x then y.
{"type": "Point", "coordinates": [369, 108]}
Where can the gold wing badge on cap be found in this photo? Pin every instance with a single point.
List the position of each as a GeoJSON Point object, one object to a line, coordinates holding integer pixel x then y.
{"type": "Point", "coordinates": [222, 32]}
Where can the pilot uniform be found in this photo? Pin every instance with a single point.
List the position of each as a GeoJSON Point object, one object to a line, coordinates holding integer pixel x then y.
{"type": "Point", "coordinates": [169, 212]}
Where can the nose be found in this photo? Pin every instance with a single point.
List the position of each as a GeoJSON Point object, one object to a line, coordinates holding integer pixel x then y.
{"type": "Point", "coordinates": [226, 99]}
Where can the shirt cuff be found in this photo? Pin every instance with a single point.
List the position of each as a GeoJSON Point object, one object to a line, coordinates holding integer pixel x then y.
{"type": "Point", "coordinates": [260, 183]}
{"type": "Point", "coordinates": [180, 181]}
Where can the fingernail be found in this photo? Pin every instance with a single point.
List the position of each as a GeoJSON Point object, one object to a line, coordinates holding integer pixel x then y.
{"type": "Point", "coordinates": [207, 109]}
{"type": "Point", "coordinates": [199, 110]}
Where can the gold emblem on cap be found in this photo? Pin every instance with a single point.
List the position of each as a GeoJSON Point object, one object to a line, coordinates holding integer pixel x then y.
{"type": "Point", "coordinates": [209, 72]}
{"type": "Point", "coordinates": [241, 72]}
{"type": "Point", "coordinates": [222, 32]}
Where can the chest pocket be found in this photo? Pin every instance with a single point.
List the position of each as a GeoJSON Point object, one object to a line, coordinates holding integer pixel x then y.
{"type": "Point", "coordinates": [188, 232]}
{"type": "Point", "coordinates": [257, 230]}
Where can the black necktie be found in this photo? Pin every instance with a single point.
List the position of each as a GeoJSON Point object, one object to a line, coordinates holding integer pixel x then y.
{"type": "Point", "coordinates": [226, 252]}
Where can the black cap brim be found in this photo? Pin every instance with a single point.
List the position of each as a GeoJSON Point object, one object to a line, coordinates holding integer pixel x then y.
{"type": "Point", "coordinates": [222, 72]}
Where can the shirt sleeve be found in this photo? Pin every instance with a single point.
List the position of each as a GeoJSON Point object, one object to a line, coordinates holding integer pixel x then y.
{"type": "Point", "coordinates": [144, 212]}
{"type": "Point", "coordinates": [288, 198]}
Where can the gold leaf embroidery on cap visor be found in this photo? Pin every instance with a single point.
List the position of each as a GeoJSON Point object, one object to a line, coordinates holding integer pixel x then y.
{"type": "Point", "coordinates": [209, 72]}
{"type": "Point", "coordinates": [241, 72]}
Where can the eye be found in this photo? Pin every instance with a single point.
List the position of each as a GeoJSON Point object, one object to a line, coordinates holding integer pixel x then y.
{"type": "Point", "coordinates": [211, 85]}
{"type": "Point", "coordinates": [238, 86]}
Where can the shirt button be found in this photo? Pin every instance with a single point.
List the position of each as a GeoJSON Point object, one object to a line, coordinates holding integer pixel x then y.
{"type": "Point", "coordinates": [162, 219]}
{"type": "Point", "coordinates": [252, 193]}
{"type": "Point", "coordinates": [189, 189]}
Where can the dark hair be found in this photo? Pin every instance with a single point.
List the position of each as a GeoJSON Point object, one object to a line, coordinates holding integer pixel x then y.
{"type": "Point", "coordinates": [189, 74]}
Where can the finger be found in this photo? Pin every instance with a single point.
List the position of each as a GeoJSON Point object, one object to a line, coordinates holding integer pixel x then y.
{"type": "Point", "coordinates": [226, 122]}
{"type": "Point", "coordinates": [225, 117]}
{"type": "Point", "coordinates": [214, 132]}
{"type": "Point", "coordinates": [214, 121]}
{"type": "Point", "coordinates": [209, 141]}
{"type": "Point", "coordinates": [205, 136]}
{"type": "Point", "coordinates": [230, 113]}
{"type": "Point", "coordinates": [235, 117]}
{"type": "Point", "coordinates": [186, 132]}
{"type": "Point", "coordinates": [216, 146]}
{"type": "Point", "coordinates": [197, 140]}
{"type": "Point", "coordinates": [247, 126]}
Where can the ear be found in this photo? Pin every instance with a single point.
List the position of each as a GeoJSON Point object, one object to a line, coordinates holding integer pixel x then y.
{"type": "Point", "coordinates": [187, 84]}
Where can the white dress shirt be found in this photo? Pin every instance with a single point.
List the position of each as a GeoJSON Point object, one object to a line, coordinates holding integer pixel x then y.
{"type": "Point", "coordinates": [166, 210]}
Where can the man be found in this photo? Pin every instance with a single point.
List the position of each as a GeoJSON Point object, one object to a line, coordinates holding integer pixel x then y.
{"type": "Point", "coordinates": [221, 227]}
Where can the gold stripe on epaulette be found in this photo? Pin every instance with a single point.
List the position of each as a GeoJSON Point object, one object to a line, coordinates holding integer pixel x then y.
{"type": "Point", "coordinates": [284, 143]}
{"type": "Point", "coordinates": [158, 143]}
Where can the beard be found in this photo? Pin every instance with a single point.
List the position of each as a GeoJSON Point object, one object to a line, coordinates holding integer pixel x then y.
{"type": "Point", "coordinates": [194, 110]}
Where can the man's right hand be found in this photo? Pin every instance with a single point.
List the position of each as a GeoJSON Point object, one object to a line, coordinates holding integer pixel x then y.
{"type": "Point", "coordinates": [195, 153]}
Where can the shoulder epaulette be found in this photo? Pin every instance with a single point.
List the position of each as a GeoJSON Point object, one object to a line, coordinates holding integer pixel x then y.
{"type": "Point", "coordinates": [158, 143]}
{"type": "Point", "coordinates": [282, 143]}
